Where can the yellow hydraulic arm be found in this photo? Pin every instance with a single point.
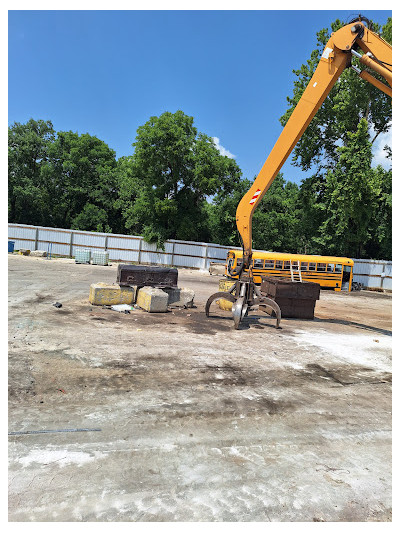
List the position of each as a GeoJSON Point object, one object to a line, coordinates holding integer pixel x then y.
{"type": "Point", "coordinates": [341, 47]}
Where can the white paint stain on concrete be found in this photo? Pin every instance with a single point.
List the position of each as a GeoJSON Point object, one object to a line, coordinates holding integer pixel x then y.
{"type": "Point", "coordinates": [371, 350]}
{"type": "Point", "coordinates": [168, 447]}
{"type": "Point", "coordinates": [59, 457]}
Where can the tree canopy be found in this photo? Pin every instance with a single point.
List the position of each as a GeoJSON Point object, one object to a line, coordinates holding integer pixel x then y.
{"type": "Point", "coordinates": [174, 169]}
{"type": "Point", "coordinates": [28, 146]}
{"type": "Point", "coordinates": [61, 179]}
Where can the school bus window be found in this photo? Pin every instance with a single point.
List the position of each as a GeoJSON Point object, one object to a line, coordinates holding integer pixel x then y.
{"type": "Point", "coordinates": [269, 263]}
{"type": "Point", "coordinates": [279, 265]}
{"type": "Point", "coordinates": [312, 266]}
{"type": "Point", "coordinates": [331, 267]}
{"type": "Point", "coordinates": [287, 265]}
{"type": "Point", "coordinates": [321, 267]}
{"type": "Point", "coordinates": [338, 268]}
{"type": "Point", "coordinates": [303, 265]}
{"type": "Point", "coordinates": [258, 263]}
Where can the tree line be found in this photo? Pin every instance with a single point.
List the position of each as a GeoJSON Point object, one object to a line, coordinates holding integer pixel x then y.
{"type": "Point", "coordinates": [177, 185]}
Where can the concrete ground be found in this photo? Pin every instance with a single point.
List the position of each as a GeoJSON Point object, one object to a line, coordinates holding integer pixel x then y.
{"type": "Point", "coordinates": [197, 421]}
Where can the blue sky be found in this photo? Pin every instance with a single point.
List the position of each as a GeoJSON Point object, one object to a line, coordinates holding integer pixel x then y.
{"type": "Point", "coordinates": [107, 72]}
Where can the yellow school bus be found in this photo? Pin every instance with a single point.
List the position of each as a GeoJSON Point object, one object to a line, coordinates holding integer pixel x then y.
{"type": "Point", "coordinates": [330, 272]}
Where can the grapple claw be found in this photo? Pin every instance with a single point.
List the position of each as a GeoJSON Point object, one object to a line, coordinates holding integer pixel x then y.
{"type": "Point", "coordinates": [217, 296]}
{"type": "Point", "coordinates": [245, 297]}
{"type": "Point", "coordinates": [238, 311]}
{"type": "Point", "coordinates": [275, 307]}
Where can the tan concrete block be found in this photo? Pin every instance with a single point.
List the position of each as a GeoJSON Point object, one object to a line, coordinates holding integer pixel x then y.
{"type": "Point", "coordinates": [217, 269]}
{"type": "Point", "coordinates": [180, 297]}
{"type": "Point", "coordinates": [152, 300]}
{"type": "Point", "coordinates": [111, 294]}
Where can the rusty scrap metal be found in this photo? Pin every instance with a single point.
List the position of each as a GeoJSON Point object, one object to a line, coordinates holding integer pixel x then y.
{"type": "Point", "coordinates": [296, 300]}
{"type": "Point", "coordinates": [147, 276]}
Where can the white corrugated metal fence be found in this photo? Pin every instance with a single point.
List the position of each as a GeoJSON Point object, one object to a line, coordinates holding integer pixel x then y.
{"type": "Point", "coordinates": [128, 248]}
{"type": "Point", "coordinates": [371, 273]}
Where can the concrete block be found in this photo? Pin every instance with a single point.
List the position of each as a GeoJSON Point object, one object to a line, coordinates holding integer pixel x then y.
{"type": "Point", "coordinates": [111, 294]}
{"type": "Point", "coordinates": [23, 251]}
{"type": "Point", "coordinates": [152, 300]}
{"type": "Point", "coordinates": [179, 297]}
{"type": "Point", "coordinates": [38, 253]}
{"type": "Point", "coordinates": [217, 269]}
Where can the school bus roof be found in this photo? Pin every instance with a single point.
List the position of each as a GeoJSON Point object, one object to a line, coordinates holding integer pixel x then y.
{"type": "Point", "coordinates": [296, 257]}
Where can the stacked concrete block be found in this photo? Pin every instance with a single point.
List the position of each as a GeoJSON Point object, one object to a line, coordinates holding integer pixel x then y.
{"type": "Point", "coordinates": [179, 297]}
{"type": "Point", "coordinates": [111, 294]}
{"type": "Point", "coordinates": [152, 300]}
{"type": "Point", "coordinates": [146, 292]}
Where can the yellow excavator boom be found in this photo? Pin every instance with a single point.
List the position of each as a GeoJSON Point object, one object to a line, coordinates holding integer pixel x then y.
{"type": "Point", "coordinates": [341, 47]}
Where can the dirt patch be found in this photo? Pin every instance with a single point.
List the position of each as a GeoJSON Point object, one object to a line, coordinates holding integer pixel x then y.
{"type": "Point", "coordinates": [348, 375]}
{"type": "Point", "coordinates": [21, 381]}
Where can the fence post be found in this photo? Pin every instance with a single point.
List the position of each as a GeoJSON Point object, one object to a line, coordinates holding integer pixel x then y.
{"type": "Point", "coordinates": [71, 242]}
{"type": "Point", "coordinates": [106, 243]}
{"type": "Point", "coordinates": [172, 254]}
{"type": "Point", "coordinates": [36, 238]}
{"type": "Point", "coordinates": [383, 272]}
{"type": "Point", "coordinates": [206, 257]}
{"type": "Point", "coordinates": [140, 249]}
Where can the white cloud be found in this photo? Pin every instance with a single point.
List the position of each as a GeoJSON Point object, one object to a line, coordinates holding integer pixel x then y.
{"type": "Point", "coordinates": [221, 149]}
{"type": "Point", "coordinates": [378, 150]}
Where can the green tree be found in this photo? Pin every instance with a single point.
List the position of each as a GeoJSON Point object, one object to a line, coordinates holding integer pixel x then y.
{"type": "Point", "coordinates": [351, 197]}
{"type": "Point", "coordinates": [126, 194]}
{"type": "Point", "coordinates": [81, 183]}
{"type": "Point", "coordinates": [221, 214]}
{"type": "Point", "coordinates": [276, 220]}
{"type": "Point", "coordinates": [28, 146]}
{"type": "Point", "coordinates": [311, 207]}
{"type": "Point", "coordinates": [379, 246]}
{"type": "Point", "coordinates": [387, 31]}
{"type": "Point", "coordinates": [173, 170]}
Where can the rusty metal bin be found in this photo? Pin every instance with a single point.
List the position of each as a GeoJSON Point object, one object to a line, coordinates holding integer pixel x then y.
{"type": "Point", "coordinates": [295, 299]}
{"type": "Point", "coordinates": [147, 276]}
